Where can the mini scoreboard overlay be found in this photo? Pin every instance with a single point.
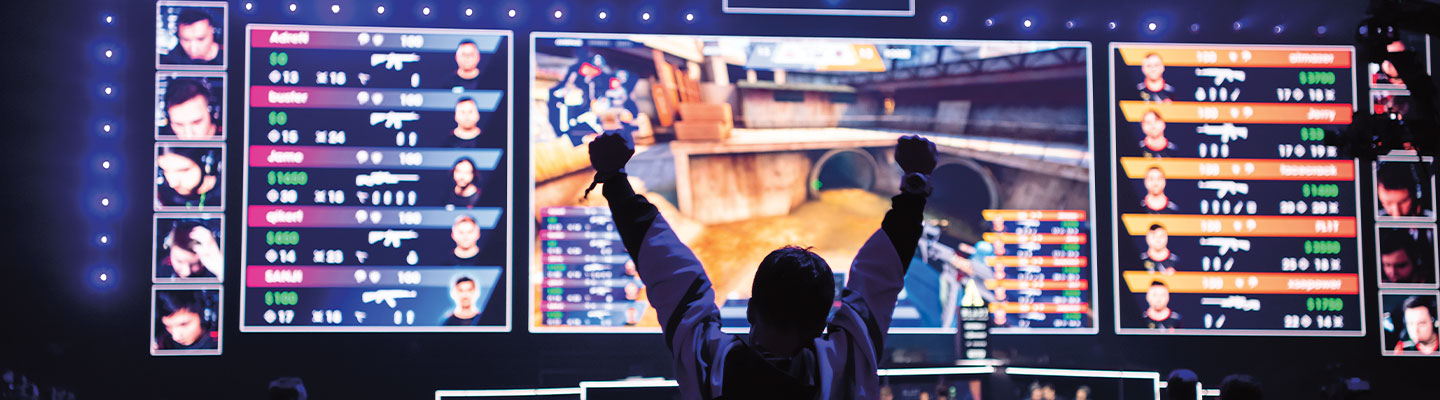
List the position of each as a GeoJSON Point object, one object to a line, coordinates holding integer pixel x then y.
{"type": "Point", "coordinates": [1232, 217]}
{"type": "Point", "coordinates": [747, 144]}
{"type": "Point", "coordinates": [377, 180]}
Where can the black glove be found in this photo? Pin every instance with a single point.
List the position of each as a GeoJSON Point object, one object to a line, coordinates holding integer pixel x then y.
{"type": "Point", "coordinates": [914, 154]}
{"type": "Point", "coordinates": [608, 154]}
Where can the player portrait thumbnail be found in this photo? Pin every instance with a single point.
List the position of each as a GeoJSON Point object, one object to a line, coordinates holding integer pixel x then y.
{"type": "Point", "coordinates": [1155, 144]}
{"type": "Point", "coordinates": [190, 106]}
{"type": "Point", "coordinates": [188, 248]}
{"type": "Point", "coordinates": [467, 62]}
{"type": "Point", "coordinates": [1154, 89]}
{"type": "Point", "coordinates": [1404, 191]}
{"type": "Point", "coordinates": [1407, 256]}
{"type": "Point", "coordinates": [467, 124]}
{"type": "Point", "coordinates": [466, 234]}
{"type": "Point", "coordinates": [1158, 314]}
{"type": "Point", "coordinates": [1396, 103]}
{"type": "Point", "coordinates": [1157, 257]}
{"type": "Point", "coordinates": [1384, 74]}
{"type": "Point", "coordinates": [186, 321]}
{"type": "Point", "coordinates": [1155, 200]}
{"type": "Point", "coordinates": [466, 192]}
{"type": "Point", "coordinates": [634, 294]}
{"type": "Point", "coordinates": [190, 35]}
{"type": "Point", "coordinates": [189, 177]}
{"type": "Point", "coordinates": [466, 295]}
{"type": "Point", "coordinates": [1408, 324]}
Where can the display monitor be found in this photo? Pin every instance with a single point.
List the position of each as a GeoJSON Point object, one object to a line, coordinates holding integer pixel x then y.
{"type": "Point", "coordinates": [377, 180]}
{"type": "Point", "coordinates": [1233, 214]}
{"type": "Point", "coordinates": [748, 144]}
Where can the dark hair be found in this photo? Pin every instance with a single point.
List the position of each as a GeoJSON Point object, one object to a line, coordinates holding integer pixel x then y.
{"type": "Point", "coordinates": [1156, 227]}
{"type": "Point", "coordinates": [1393, 240]}
{"type": "Point", "coordinates": [190, 15]}
{"type": "Point", "coordinates": [1181, 385]}
{"type": "Point", "coordinates": [1417, 302]}
{"type": "Point", "coordinates": [793, 289]}
{"type": "Point", "coordinates": [463, 279]}
{"type": "Point", "coordinates": [180, 236]}
{"type": "Point", "coordinates": [462, 160]}
{"type": "Point", "coordinates": [464, 99]}
{"type": "Point", "coordinates": [287, 388]}
{"type": "Point", "coordinates": [171, 302]}
{"type": "Point", "coordinates": [195, 154]}
{"type": "Point", "coordinates": [1396, 176]}
{"type": "Point", "coordinates": [1083, 388]}
{"type": "Point", "coordinates": [1240, 387]}
{"type": "Point", "coordinates": [1160, 284]}
{"type": "Point", "coordinates": [469, 42]}
{"type": "Point", "coordinates": [181, 90]}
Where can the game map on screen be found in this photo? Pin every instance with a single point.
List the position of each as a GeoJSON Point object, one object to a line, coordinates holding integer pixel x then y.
{"type": "Point", "coordinates": [750, 144]}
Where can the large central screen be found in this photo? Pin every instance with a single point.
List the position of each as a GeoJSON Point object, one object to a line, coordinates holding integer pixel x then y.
{"type": "Point", "coordinates": [376, 179]}
{"type": "Point", "coordinates": [749, 144]}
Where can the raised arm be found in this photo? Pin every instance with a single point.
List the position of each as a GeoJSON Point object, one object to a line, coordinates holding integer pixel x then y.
{"type": "Point", "coordinates": [878, 273]}
{"type": "Point", "coordinates": [675, 281]}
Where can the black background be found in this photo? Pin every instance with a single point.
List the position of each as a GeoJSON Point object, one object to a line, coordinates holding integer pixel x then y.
{"type": "Point", "coordinates": [63, 329]}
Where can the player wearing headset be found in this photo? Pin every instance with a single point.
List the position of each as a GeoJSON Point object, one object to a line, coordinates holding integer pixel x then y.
{"type": "Point", "coordinates": [188, 319]}
{"type": "Point", "coordinates": [188, 177]}
{"type": "Point", "coordinates": [1420, 324]}
{"type": "Point", "coordinates": [188, 111]}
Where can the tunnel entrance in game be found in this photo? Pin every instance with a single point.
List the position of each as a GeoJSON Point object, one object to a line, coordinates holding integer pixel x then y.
{"type": "Point", "coordinates": [844, 169]}
{"type": "Point", "coordinates": [962, 189]}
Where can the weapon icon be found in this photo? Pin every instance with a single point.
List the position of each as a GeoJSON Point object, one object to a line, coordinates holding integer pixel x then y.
{"type": "Point", "coordinates": [1226, 245]}
{"type": "Point", "coordinates": [1221, 75]}
{"type": "Point", "coordinates": [1227, 132]}
{"type": "Point", "coordinates": [387, 296]}
{"type": "Point", "coordinates": [378, 178]}
{"type": "Point", "coordinates": [393, 119]}
{"type": "Point", "coordinates": [391, 237]}
{"type": "Point", "coordinates": [1234, 302]}
{"type": "Point", "coordinates": [393, 61]}
{"type": "Point", "coordinates": [1225, 188]}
